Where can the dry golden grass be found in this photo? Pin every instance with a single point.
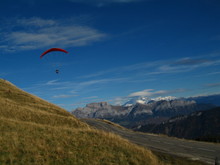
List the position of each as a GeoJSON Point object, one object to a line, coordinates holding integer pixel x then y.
{"type": "Point", "coordinates": [19, 105]}
{"type": "Point", "coordinates": [24, 99]}
{"type": "Point", "coordinates": [114, 124]}
{"type": "Point", "coordinates": [35, 132]}
{"type": "Point", "coordinates": [31, 143]}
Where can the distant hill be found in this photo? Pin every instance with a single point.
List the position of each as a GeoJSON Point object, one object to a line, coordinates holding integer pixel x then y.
{"type": "Point", "coordinates": [202, 125]}
{"type": "Point", "coordinates": [34, 131]}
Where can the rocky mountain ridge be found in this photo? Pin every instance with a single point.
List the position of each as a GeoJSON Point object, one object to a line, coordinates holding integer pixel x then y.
{"type": "Point", "coordinates": [129, 116]}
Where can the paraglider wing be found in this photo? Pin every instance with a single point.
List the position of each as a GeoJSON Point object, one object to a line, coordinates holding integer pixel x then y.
{"type": "Point", "coordinates": [51, 50]}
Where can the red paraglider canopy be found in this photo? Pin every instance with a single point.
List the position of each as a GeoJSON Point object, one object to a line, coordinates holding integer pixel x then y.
{"type": "Point", "coordinates": [51, 50]}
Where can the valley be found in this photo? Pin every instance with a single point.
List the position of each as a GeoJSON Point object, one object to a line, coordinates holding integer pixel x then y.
{"type": "Point", "coordinates": [206, 152]}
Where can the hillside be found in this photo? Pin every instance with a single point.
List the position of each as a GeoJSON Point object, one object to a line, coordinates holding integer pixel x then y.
{"type": "Point", "coordinates": [33, 131]}
{"type": "Point", "coordinates": [203, 125]}
{"type": "Point", "coordinates": [19, 105]}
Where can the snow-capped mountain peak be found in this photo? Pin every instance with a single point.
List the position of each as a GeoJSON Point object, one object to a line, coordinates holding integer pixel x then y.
{"type": "Point", "coordinates": [167, 98]}
{"type": "Point", "coordinates": [137, 99]}
{"type": "Point", "coordinates": [146, 100]}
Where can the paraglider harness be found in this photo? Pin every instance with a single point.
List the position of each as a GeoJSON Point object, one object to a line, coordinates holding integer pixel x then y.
{"type": "Point", "coordinates": [51, 50]}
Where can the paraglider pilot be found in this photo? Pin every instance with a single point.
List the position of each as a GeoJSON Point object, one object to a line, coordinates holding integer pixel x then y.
{"type": "Point", "coordinates": [51, 50]}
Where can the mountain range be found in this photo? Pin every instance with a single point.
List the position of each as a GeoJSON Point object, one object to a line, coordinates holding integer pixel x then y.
{"type": "Point", "coordinates": [140, 111]}
{"type": "Point", "coordinates": [203, 99]}
{"type": "Point", "coordinates": [191, 118]}
{"type": "Point", "coordinates": [200, 125]}
{"type": "Point", "coordinates": [145, 100]}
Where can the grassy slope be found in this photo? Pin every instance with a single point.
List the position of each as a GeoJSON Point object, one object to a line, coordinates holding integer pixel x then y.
{"type": "Point", "coordinates": [33, 131]}
{"type": "Point", "coordinates": [19, 105]}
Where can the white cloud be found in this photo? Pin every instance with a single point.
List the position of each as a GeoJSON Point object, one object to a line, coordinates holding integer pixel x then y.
{"type": "Point", "coordinates": [148, 93]}
{"type": "Point", "coordinates": [122, 70]}
{"type": "Point", "coordinates": [64, 96]}
{"type": "Point", "coordinates": [213, 84]}
{"type": "Point", "coordinates": [95, 84]}
{"type": "Point", "coordinates": [35, 22]}
{"type": "Point", "coordinates": [35, 33]}
{"type": "Point", "coordinates": [71, 88]}
{"type": "Point", "coordinates": [52, 82]}
{"type": "Point", "coordinates": [154, 68]}
{"type": "Point", "coordinates": [3, 74]}
{"type": "Point", "coordinates": [98, 81]}
{"type": "Point", "coordinates": [153, 93]}
{"type": "Point", "coordinates": [182, 65]}
{"type": "Point", "coordinates": [213, 73]}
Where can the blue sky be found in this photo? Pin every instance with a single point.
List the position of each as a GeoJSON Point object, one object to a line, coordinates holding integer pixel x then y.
{"type": "Point", "coordinates": [118, 49]}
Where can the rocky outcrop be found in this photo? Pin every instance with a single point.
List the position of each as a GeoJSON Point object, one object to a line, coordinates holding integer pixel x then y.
{"type": "Point", "coordinates": [101, 110]}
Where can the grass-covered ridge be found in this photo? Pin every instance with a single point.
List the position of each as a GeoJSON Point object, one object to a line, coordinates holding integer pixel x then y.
{"type": "Point", "coordinates": [19, 105]}
{"type": "Point", "coordinates": [28, 143]}
{"type": "Point", "coordinates": [33, 131]}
